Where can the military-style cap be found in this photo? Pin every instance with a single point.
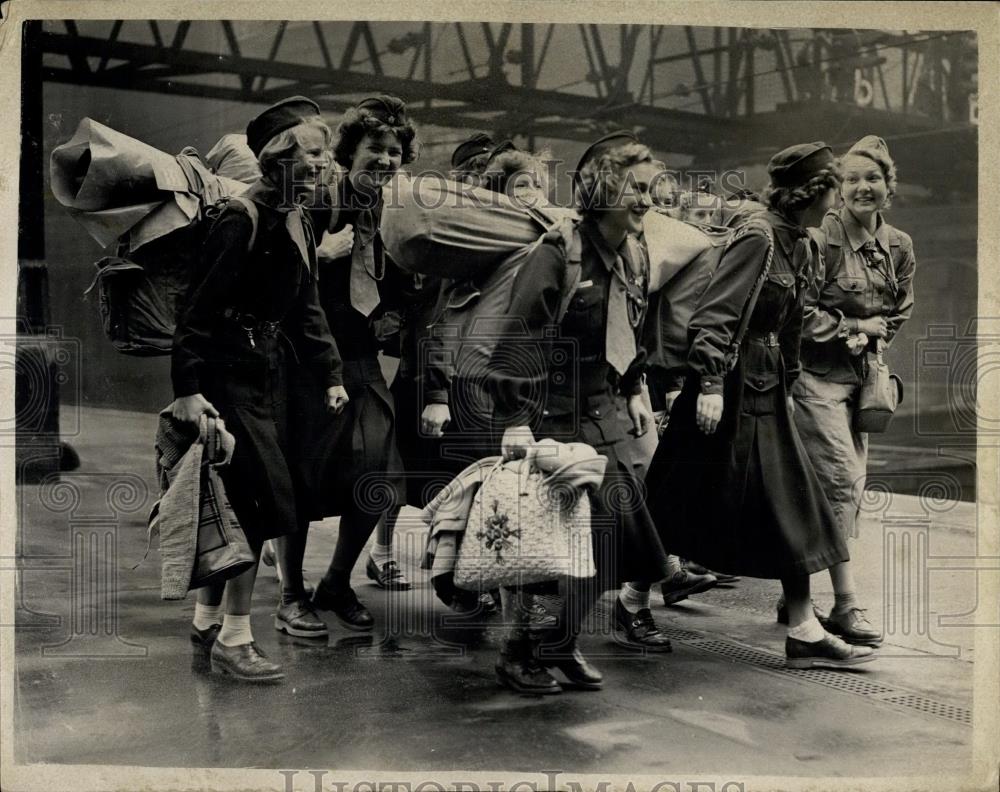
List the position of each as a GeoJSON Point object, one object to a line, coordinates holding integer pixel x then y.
{"type": "Point", "coordinates": [479, 143]}
{"type": "Point", "coordinates": [387, 109]}
{"type": "Point", "coordinates": [601, 146]}
{"type": "Point", "coordinates": [501, 147]}
{"type": "Point", "coordinates": [797, 164]}
{"type": "Point", "coordinates": [277, 118]}
{"type": "Point", "coordinates": [869, 143]}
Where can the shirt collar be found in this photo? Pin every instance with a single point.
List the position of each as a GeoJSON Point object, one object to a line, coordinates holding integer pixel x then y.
{"type": "Point", "coordinates": [857, 235]}
{"type": "Point", "coordinates": [786, 233]}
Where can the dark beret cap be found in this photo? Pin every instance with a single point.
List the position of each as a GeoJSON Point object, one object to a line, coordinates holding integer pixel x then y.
{"type": "Point", "coordinates": [796, 165]}
{"type": "Point", "coordinates": [387, 109]}
{"type": "Point", "coordinates": [277, 118]}
{"type": "Point", "coordinates": [602, 145]}
{"type": "Point", "coordinates": [478, 144]}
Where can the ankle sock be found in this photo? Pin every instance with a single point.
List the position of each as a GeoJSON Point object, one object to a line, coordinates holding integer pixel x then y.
{"type": "Point", "coordinates": [809, 631]}
{"type": "Point", "coordinates": [633, 599]}
{"type": "Point", "coordinates": [844, 602]}
{"type": "Point", "coordinates": [381, 554]}
{"type": "Point", "coordinates": [206, 615]}
{"type": "Point", "coordinates": [674, 567]}
{"type": "Point", "coordinates": [235, 630]}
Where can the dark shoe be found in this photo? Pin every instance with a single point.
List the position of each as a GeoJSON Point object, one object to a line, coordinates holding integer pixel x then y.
{"type": "Point", "coordinates": [722, 577]}
{"type": "Point", "coordinates": [579, 673]}
{"type": "Point", "coordinates": [390, 576]}
{"type": "Point", "coordinates": [853, 627]}
{"type": "Point", "coordinates": [299, 619]}
{"type": "Point", "coordinates": [203, 639]}
{"type": "Point", "coordinates": [830, 652]}
{"type": "Point", "coordinates": [244, 662]}
{"type": "Point", "coordinates": [782, 612]}
{"type": "Point", "coordinates": [345, 606]}
{"type": "Point", "coordinates": [640, 630]}
{"type": "Point", "coordinates": [517, 669]}
{"type": "Point", "coordinates": [684, 584]}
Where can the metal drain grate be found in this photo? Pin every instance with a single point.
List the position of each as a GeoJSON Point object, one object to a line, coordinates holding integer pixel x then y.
{"type": "Point", "coordinates": [922, 704]}
{"type": "Point", "coordinates": [839, 680]}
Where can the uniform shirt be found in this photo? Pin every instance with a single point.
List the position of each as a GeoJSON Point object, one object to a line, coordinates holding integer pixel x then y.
{"type": "Point", "coordinates": [270, 283]}
{"type": "Point", "coordinates": [852, 285]}
{"type": "Point", "coordinates": [536, 371]}
{"type": "Point", "coordinates": [778, 309]}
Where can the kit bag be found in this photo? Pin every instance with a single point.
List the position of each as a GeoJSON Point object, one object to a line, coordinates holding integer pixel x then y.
{"type": "Point", "coordinates": [141, 294]}
{"type": "Point", "coordinates": [881, 393]}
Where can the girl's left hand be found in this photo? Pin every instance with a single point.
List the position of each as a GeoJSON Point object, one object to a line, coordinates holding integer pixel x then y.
{"type": "Point", "coordinates": [336, 399]}
{"type": "Point", "coordinates": [641, 415]}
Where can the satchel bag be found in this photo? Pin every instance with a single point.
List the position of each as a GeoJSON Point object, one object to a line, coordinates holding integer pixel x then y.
{"type": "Point", "coordinates": [881, 393]}
{"type": "Point", "coordinates": [222, 549]}
{"type": "Point", "coordinates": [524, 528]}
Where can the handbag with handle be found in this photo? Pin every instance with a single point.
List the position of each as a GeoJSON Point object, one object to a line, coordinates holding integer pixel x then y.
{"type": "Point", "coordinates": [881, 393]}
{"type": "Point", "coordinates": [524, 527]}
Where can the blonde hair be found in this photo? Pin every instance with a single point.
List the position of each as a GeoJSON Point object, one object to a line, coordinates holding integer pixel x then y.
{"type": "Point", "coordinates": [282, 147]}
{"type": "Point", "coordinates": [600, 180]}
{"type": "Point", "coordinates": [885, 162]}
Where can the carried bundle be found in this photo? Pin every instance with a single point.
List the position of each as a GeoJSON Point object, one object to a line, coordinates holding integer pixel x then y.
{"type": "Point", "coordinates": [433, 226]}
{"type": "Point", "coordinates": [151, 209]}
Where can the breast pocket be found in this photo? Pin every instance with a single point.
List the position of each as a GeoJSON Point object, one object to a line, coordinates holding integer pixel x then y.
{"type": "Point", "coordinates": [585, 317]}
{"type": "Point", "coordinates": [850, 294]}
{"type": "Point", "coordinates": [774, 296]}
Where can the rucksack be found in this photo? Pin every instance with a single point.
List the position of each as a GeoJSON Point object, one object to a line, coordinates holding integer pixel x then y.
{"type": "Point", "coordinates": [665, 335]}
{"type": "Point", "coordinates": [474, 316]}
{"type": "Point", "coordinates": [142, 293]}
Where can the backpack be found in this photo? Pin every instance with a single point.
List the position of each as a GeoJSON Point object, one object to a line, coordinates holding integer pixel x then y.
{"type": "Point", "coordinates": [142, 293]}
{"type": "Point", "coordinates": [474, 315]}
{"type": "Point", "coordinates": [665, 335]}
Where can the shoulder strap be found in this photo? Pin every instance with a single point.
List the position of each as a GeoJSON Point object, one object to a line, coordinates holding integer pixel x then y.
{"type": "Point", "coordinates": [763, 228]}
{"type": "Point", "coordinates": [571, 273]}
{"type": "Point", "coordinates": [251, 210]}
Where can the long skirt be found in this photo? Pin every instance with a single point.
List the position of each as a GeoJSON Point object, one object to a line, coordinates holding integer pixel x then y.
{"type": "Point", "coordinates": [348, 462]}
{"type": "Point", "coordinates": [744, 500]}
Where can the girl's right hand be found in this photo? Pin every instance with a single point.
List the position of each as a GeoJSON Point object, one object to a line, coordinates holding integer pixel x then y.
{"type": "Point", "coordinates": [191, 408]}
{"type": "Point", "coordinates": [708, 411]}
{"type": "Point", "coordinates": [337, 245]}
{"type": "Point", "coordinates": [874, 327]}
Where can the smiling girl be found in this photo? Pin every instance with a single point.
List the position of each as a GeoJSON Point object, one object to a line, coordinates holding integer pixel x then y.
{"type": "Point", "coordinates": [864, 296]}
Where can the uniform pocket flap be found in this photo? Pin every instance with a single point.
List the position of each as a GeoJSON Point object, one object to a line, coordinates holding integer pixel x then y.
{"type": "Point", "coordinates": [785, 279]}
{"type": "Point", "coordinates": [761, 380]}
{"type": "Point", "coordinates": [851, 284]}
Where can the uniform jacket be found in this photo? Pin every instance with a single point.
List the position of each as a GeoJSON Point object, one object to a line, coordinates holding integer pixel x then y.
{"type": "Point", "coordinates": [849, 288]}
{"type": "Point", "coordinates": [274, 282]}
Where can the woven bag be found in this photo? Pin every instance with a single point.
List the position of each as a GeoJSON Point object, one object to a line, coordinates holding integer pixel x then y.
{"type": "Point", "coordinates": [524, 528]}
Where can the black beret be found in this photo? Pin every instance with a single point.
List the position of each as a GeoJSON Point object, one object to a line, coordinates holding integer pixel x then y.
{"type": "Point", "coordinates": [387, 109]}
{"type": "Point", "coordinates": [479, 143]}
{"type": "Point", "coordinates": [277, 118]}
{"type": "Point", "coordinates": [601, 146]}
{"type": "Point", "coordinates": [501, 147]}
{"type": "Point", "coordinates": [797, 164]}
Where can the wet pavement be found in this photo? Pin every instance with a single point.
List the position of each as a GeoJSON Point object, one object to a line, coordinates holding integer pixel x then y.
{"type": "Point", "coordinates": [105, 672]}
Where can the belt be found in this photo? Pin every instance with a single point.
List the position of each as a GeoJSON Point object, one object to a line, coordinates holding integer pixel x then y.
{"type": "Point", "coordinates": [362, 371]}
{"type": "Point", "coordinates": [252, 326]}
{"type": "Point", "coordinates": [765, 339]}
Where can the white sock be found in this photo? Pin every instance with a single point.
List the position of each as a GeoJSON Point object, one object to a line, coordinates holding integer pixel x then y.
{"type": "Point", "coordinates": [207, 615]}
{"type": "Point", "coordinates": [381, 553]}
{"type": "Point", "coordinates": [674, 567]}
{"type": "Point", "coordinates": [235, 630]}
{"type": "Point", "coordinates": [809, 631]}
{"type": "Point", "coordinates": [633, 599]}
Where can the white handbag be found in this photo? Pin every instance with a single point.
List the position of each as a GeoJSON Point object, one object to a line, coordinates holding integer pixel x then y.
{"type": "Point", "coordinates": [524, 527]}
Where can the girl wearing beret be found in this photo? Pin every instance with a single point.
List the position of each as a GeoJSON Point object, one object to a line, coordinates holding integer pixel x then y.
{"type": "Point", "coordinates": [864, 295]}
{"type": "Point", "coordinates": [730, 482]}
{"type": "Point", "coordinates": [566, 390]}
{"type": "Point", "coordinates": [255, 312]}
{"type": "Point", "coordinates": [350, 464]}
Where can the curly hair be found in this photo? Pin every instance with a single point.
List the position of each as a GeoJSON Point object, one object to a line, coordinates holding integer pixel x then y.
{"type": "Point", "coordinates": [785, 200]}
{"type": "Point", "coordinates": [282, 147]}
{"type": "Point", "coordinates": [887, 165]}
{"type": "Point", "coordinates": [472, 168]}
{"type": "Point", "coordinates": [600, 181]}
{"type": "Point", "coordinates": [500, 173]}
{"type": "Point", "coordinates": [358, 122]}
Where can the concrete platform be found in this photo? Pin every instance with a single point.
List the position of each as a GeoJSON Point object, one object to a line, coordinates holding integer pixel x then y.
{"type": "Point", "coordinates": [105, 673]}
